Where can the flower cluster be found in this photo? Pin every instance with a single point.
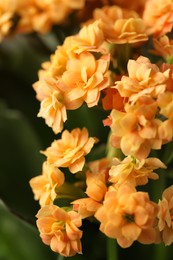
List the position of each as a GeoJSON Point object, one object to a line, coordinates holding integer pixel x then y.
{"type": "Point", "coordinates": [108, 63]}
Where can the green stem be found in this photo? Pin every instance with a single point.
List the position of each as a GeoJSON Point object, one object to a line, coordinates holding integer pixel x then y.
{"type": "Point", "coordinates": [60, 257]}
{"type": "Point", "coordinates": [112, 250]}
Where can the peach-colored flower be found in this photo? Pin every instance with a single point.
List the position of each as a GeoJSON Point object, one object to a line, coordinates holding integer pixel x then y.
{"type": "Point", "coordinates": [163, 46]}
{"type": "Point", "coordinates": [41, 15]}
{"type": "Point", "coordinates": [86, 207]}
{"type": "Point", "coordinates": [60, 229]}
{"type": "Point", "coordinates": [134, 171]}
{"type": "Point", "coordinates": [165, 216]}
{"type": "Point", "coordinates": [158, 16]}
{"type": "Point", "coordinates": [120, 25]}
{"type": "Point", "coordinates": [135, 131]}
{"type": "Point", "coordinates": [83, 80]}
{"type": "Point", "coordinates": [44, 186]}
{"type": "Point", "coordinates": [70, 150]}
{"type": "Point", "coordinates": [130, 30]}
{"type": "Point", "coordinates": [89, 38]}
{"type": "Point", "coordinates": [52, 107]}
{"type": "Point", "coordinates": [128, 215]}
{"type": "Point", "coordinates": [144, 78]}
{"type": "Point", "coordinates": [110, 14]}
{"type": "Point", "coordinates": [96, 181]}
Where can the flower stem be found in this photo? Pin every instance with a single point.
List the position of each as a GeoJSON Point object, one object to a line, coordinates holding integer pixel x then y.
{"type": "Point", "coordinates": [112, 250]}
{"type": "Point", "coordinates": [60, 257]}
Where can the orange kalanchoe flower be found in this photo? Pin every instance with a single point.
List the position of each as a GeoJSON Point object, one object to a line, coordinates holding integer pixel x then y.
{"type": "Point", "coordinates": [70, 150]}
{"type": "Point", "coordinates": [165, 216]}
{"type": "Point", "coordinates": [128, 215]}
{"type": "Point", "coordinates": [96, 181]}
{"type": "Point", "coordinates": [72, 76]}
{"type": "Point", "coordinates": [158, 16]}
{"type": "Point", "coordinates": [134, 171]}
{"type": "Point", "coordinates": [120, 25]}
{"type": "Point", "coordinates": [44, 186]}
{"type": "Point", "coordinates": [84, 79]}
{"type": "Point", "coordinates": [86, 207]}
{"type": "Point", "coordinates": [41, 15]}
{"type": "Point", "coordinates": [144, 78]}
{"type": "Point", "coordinates": [52, 107]}
{"type": "Point", "coordinates": [135, 131]}
{"type": "Point", "coordinates": [163, 47]}
{"type": "Point", "coordinates": [60, 229]}
{"type": "Point", "coordinates": [130, 30]}
{"type": "Point", "coordinates": [90, 38]}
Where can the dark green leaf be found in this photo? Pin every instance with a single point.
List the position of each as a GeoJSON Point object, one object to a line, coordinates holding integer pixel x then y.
{"type": "Point", "coordinates": [20, 161]}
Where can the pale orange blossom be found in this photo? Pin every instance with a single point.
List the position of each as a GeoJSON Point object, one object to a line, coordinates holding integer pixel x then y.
{"type": "Point", "coordinates": [163, 46]}
{"type": "Point", "coordinates": [86, 207]}
{"type": "Point", "coordinates": [44, 186]}
{"type": "Point", "coordinates": [55, 89]}
{"type": "Point", "coordinates": [135, 131]}
{"type": "Point", "coordinates": [70, 150]}
{"type": "Point", "coordinates": [144, 78]}
{"type": "Point", "coordinates": [120, 25]}
{"type": "Point", "coordinates": [127, 216]}
{"type": "Point", "coordinates": [59, 228]}
{"type": "Point", "coordinates": [96, 182]}
{"type": "Point", "coordinates": [165, 216]}
{"type": "Point", "coordinates": [137, 172]}
{"type": "Point", "coordinates": [84, 79]}
{"type": "Point", "coordinates": [52, 107]}
{"type": "Point", "coordinates": [41, 15]}
{"type": "Point", "coordinates": [158, 16]}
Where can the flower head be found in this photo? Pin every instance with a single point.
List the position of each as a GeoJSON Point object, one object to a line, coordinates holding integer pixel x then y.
{"type": "Point", "coordinates": [135, 131]}
{"type": "Point", "coordinates": [120, 25]}
{"type": "Point", "coordinates": [144, 78]}
{"type": "Point", "coordinates": [84, 79]}
{"type": "Point", "coordinates": [70, 150]}
{"type": "Point", "coordinates": [52, 107]}
{"type": "Point", "coordinates": [159, 21]}
{"type": "Point", "coordinates": [163, 47]}
{"type": "Point", "coordinates": [44, 186]}
{"type": "Point", "coordinates": [128, 215]}
{"type": "Point", "coordinates": [96, 182]}
{"type": "Point", "coordinates": [134, 171]}
{"type": "Point", "coordinates": [60, 229]}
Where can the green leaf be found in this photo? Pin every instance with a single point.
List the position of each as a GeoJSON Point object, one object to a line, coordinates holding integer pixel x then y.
{"type": "Point", "coordinates": [20, 161]}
